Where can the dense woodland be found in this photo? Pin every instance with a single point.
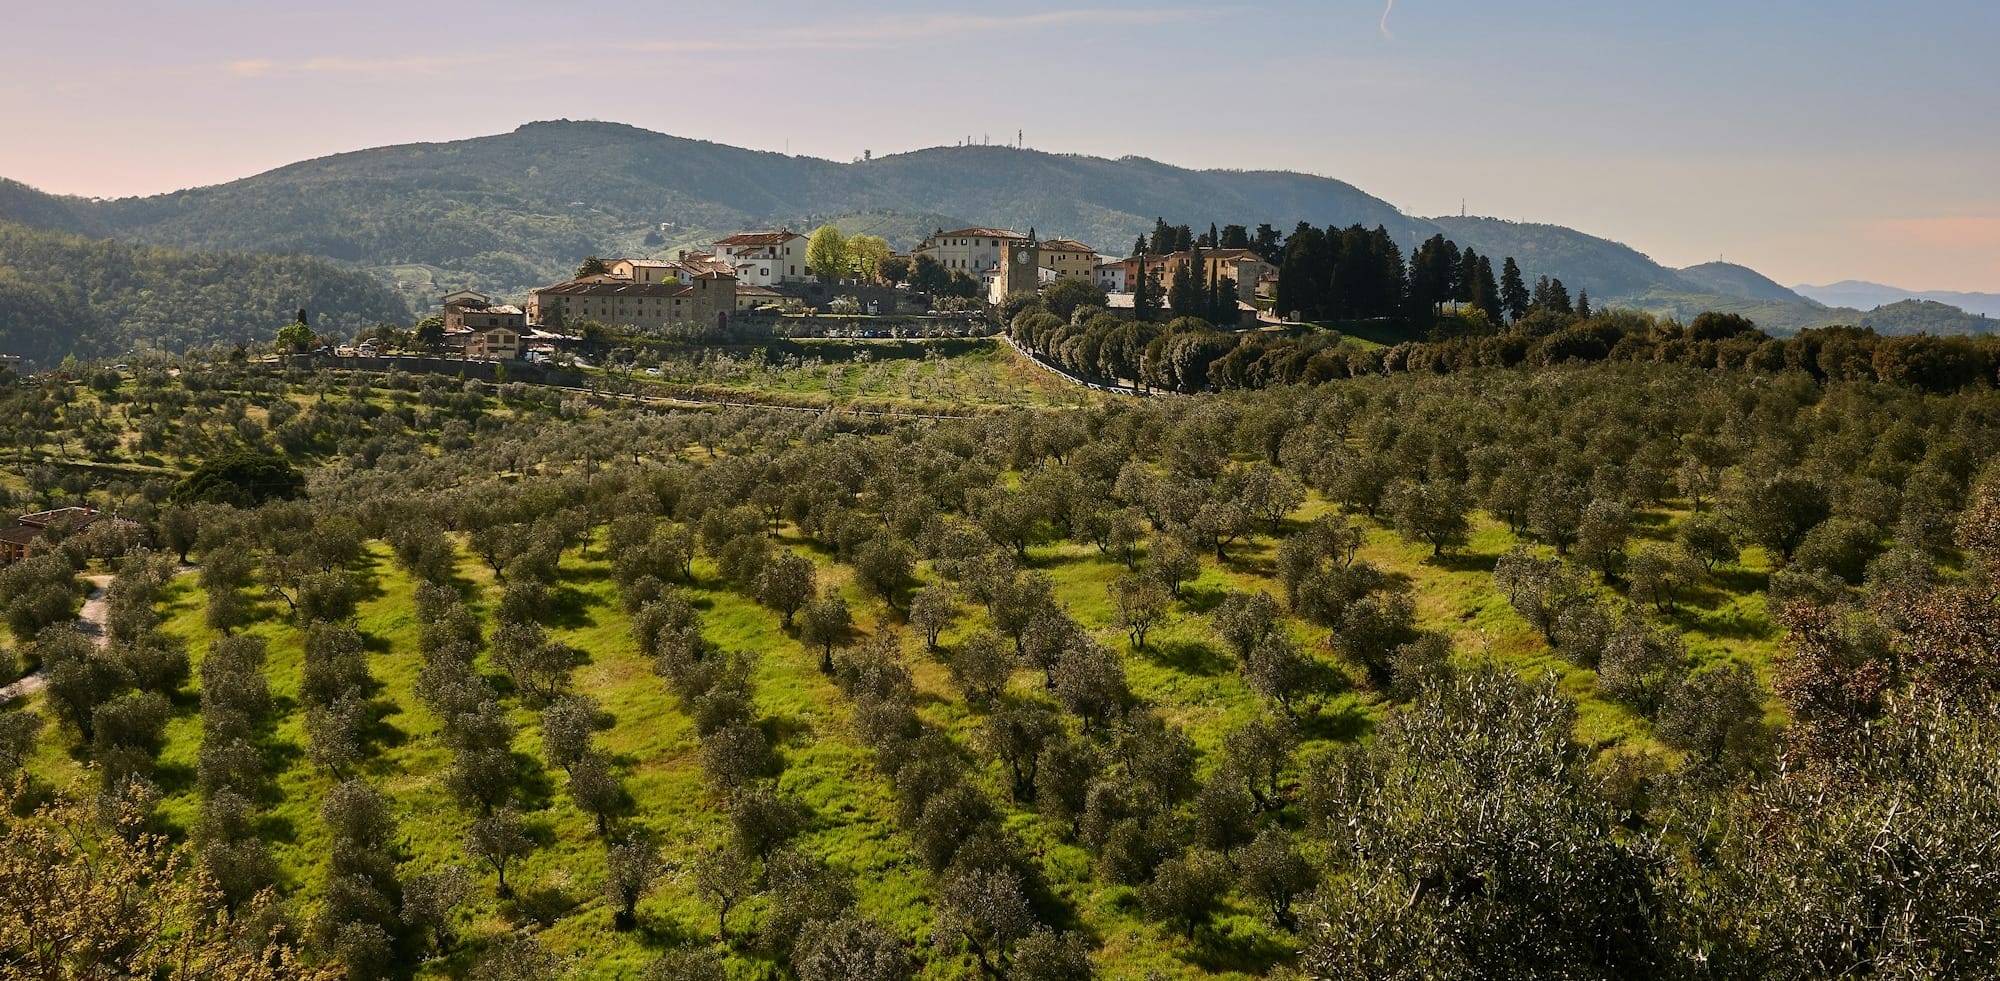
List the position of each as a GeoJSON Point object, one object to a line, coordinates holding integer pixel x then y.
{"type": "Point", "coordinates": [1656, 667]}
{"type": "Point", "coordinates": [62, 295]}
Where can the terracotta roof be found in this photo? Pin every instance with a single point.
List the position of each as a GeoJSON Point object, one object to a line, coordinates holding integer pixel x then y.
{"type": "Point", "coordinates": [707, 265]}
{"type": "Point", "coordinates": [1066, 245]}
{"type": "Point", "coordinates": [752, 289]}
{"type": "Point", "coordinates": [20, 535]}
{"type": "Point", "coordinates": [759, 238]}
{"type": "Point", "coordinates": [43, 519]}
{"type": "Point", "coordinates": [1220, 254]}
{"type": "Point", "coordinates": [983, 233]}
{"type": "Point", "coordinates": [503, 310]}
{"type": "Point", "coordinates": [615, 287]}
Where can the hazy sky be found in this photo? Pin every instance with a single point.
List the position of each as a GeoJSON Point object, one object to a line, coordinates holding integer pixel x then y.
{"type": "Point", "coordinates": [1813, 140]}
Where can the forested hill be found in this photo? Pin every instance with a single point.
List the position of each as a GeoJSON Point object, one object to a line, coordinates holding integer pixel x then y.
{"type": "Point", "coordinates": [1740, 280]}
{"type": "Point", "coordinates": [515, 210]}
{"type": "Point", "coordinates": [64, 294]}
{"type": "Point", "coordinates": [508, 212]}
{"type": "Point", "coordinates": [1927, 317]}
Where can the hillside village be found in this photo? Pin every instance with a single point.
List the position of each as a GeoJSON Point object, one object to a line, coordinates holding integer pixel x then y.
{"type": "Point", "coordinates": [754, 276]}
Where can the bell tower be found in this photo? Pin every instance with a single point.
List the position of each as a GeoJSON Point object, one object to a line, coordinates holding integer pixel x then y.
{"type": "Point", "coordinates": [1021, 269]}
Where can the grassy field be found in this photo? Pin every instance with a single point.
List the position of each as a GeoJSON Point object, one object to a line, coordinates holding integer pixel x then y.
{"type": "Point", "coordinates": [559, 887]}
{"type": "Point", "coordinates": [1183, 671]}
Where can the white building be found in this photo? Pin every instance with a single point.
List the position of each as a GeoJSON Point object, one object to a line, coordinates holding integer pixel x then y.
{"type": "Point", "coordinates": [971, 251]}
{"type": "Point", "coordinates": [766, 258]}
{"type": "Point", "coordinates": [1110, 276]}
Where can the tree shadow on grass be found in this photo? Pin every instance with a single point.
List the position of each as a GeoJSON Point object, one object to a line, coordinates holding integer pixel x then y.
{"type": "Point", "coordinates": [173, 778]}
{"type": "Point", "coordinates": [1345, 724]}
{"type": "Point", "coordinates": [1226, 949]}
{"type": "Point", "coordinates": [665, 933]}
{"type": "Point", "coordinates": [542, 904]}
{"type": "Point", "coordinates": [1201, 599]}
{"type": "Point", "coordinates": [1730, 624]}
{"type": "Point", "coordinates": [378, 733]}
{"type": "Point", "coordinates": [1461, 561]}
{"type": "Point", "coordinates": [568, 609]}
{"type": "Point", "coordinates": [537, 788]}
{"type": "Point", "coordinates": [276, 828]}
{"type": "Point", "coordinates": [1738, 580]}
{"type": "Point", "coordinates": [1188, 657]}
{"type": "Point", "coordinates": [786, 730]}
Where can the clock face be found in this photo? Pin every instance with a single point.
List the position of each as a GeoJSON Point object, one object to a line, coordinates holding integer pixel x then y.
{"type": "Point", "coordinates": [1021, 257]}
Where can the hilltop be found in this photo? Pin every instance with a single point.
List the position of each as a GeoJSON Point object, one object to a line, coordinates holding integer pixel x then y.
{"type": "Point", "coordinates": [1859, 293]}
{"type": "Point", "coordinates": [508, 212]}
{"type": "Point", "coordinates": [514, 210]}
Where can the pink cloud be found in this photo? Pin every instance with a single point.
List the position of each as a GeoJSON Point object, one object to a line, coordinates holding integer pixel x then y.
{"type": "Point", "coordinates": [1949, 232]}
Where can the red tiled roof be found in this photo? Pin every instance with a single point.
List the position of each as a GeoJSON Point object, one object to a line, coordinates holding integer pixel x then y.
{"type": "Point", "coordinates": [615, 287]}
{"type": "Point", "coordinates": [759, 238]}
{"type": "Point", "coordinates": [1066, 245]}
{"type": "Point", "coordinates": [983, 233]}
{"type": "Point", "coordinates": [20, 535]}
{"type": "Point", "coordinates": [43, 519]}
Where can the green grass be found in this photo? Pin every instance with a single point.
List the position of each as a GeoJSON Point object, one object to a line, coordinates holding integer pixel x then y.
{"type": "Point", "coordinates": [1183, 671]}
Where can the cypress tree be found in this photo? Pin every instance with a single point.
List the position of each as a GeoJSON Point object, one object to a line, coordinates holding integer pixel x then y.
{"type": "Point", "coordinates": [1513, 290]}
{"type": "Point", "coordinates": [1486, 292]}
{"type": "Point", "coordinates": [1559, 297]}
{"type": "Point", "coordinates": [1583, 303]}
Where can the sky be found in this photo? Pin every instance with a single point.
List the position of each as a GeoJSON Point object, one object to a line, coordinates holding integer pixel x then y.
{"type": "Point", "coordinates": [1814, 141]}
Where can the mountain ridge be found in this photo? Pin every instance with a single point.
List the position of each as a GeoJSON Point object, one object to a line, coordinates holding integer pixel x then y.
{"type": "Point", "coordinates": [509, 211]}
{"type": "Point", "coordinates": [1861, 292]}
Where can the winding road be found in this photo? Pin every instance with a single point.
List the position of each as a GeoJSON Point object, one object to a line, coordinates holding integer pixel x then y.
{"type": "Point", "coordinates": [90, 620]}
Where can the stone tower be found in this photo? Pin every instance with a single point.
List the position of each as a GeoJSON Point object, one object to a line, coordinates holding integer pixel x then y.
{"type": "Point", "coordinates": [1021, 271]}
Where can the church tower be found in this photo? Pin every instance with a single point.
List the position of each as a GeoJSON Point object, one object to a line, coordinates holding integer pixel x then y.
{"type": "Point", "coordinates": [1021, 272]}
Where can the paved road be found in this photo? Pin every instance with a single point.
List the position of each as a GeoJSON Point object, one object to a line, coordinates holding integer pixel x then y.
{"type": "Point", "coordinates": [90, 620]}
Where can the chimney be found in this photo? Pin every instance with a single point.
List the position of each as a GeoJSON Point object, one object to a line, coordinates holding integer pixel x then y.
{"type": "Point", "coordinates": [684, 255]}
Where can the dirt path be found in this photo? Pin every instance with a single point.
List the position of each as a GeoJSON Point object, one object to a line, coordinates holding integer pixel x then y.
{"type": "Point", "coordinates": [90, 620]}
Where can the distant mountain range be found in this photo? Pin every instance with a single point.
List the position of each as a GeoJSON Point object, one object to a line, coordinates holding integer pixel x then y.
{"type": "Point", "coordinates": [1866, 295]}
{"type": "Point", "coordinates": [508, 212]}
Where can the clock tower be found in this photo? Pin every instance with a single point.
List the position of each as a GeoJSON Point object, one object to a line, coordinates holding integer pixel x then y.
{"type": "Point", "coordinates": [1020, 270]}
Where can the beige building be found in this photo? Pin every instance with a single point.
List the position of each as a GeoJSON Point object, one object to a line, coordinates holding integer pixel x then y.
{"type": "Point", "coordinates": [1247, 268]}
{"type": "Point", "coordinates": [969, 250]}
{"type": "Point", "coordinates": [750, 296]}
{"type": "Point", "coordinates": [701, 304]}
{"type": "Point", "coordinates": [1068, 258]}
{"type": "Point", "coordinates": [493, 344]}
{"type": "Point", "coordinates": [466, 310]}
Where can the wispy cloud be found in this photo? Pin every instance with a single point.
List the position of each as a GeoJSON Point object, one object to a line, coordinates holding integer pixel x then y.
{"type": "Point", "coordinates": [1385, 20]}
{"type": "Point", "coordinates": [390, 67]}
{"type": "Point", "coordinates": [881, 32]}
{"type": "Point", "coordinates": [887, 31]}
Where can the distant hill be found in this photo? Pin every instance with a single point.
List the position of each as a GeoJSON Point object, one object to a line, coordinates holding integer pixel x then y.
{"type": "Point", "coordinates": [508, 212]}
{"type": "Point", "coordinates": [1618, 275]}
{"type": "Point", "coordinates": [24, 205]}
{"type": "Point", "coordinates": [1926, 317]}
{"type": "Point", "coordinates": [516, 210]}
{"type": "Point", "coordinates": [1731, 279]}
{"type": "Point", "coordinates": [65, 294]}
{"type": "Point", "coordinates": [1866, 295]}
